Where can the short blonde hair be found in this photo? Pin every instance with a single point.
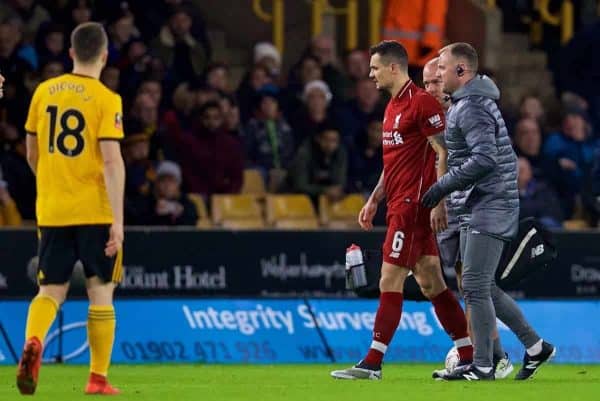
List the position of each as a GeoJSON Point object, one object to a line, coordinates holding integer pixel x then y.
{"type": "Point", "coordinates": [464, 51]}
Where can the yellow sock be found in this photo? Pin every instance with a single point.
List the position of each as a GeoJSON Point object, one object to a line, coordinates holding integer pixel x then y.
{"type": "Point", "coordinates": [42, 312]}
{"type": "Point", "coordinates": [101, 335]}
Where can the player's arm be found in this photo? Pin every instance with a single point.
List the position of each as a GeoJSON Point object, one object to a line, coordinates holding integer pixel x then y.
{"type": "Point", "coordinates": [438, 144]}
{"type": "Point", "coordinates": [368, 211]}
{"type": "Point", "coordinates": [378, 193]}
{"type": "Point", "coordinates": [110, 133]}
{"type": "Point", "coordinates": [32, 151]}
{"type": "Point", "coordinates": [114, 179]}
{"type": "Point", "coordinates": [439, 215]}
{"type": "Point", "coordinates": [31, 128]}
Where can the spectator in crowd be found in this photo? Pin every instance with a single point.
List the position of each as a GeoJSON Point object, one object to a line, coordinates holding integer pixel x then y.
{"type": "Point", "coordinates": [145, 110]}
{"type": "Point", "coordinates": [153, 89]}
{"type": "Point", "coordinates": [51, 69]}
{"type": "Point", "coordinates": [111, 77]}
{"type": "Point", "coordinates": [536, 198]}
{"type": "Point", "coordinates": [32, 14]}
{"type": "Point", "coordinates": [323, 48]}
{"type": "Point", "coordinates": [9, 214]}
{"type": "Point", "coordinates": [320, 166]}
{"type": "Point", "coordinates": [357, 68]}
{"type": "Point", "coordinates": [528, 144]}
{"type": "Point", "coordinates": [256, 79]}
{"type": "Point", "coordinates": [16, 171]}
{"type": "Point", "coordinates": [231, 114]}
{"type": "Point", "coordinates": [121, 31]}
{"type": "Point", "coordinates": [267, 55]}
{"type": "Point", "coordinates": [135, 64]}
{"type": "Point", "coordinates": [573, 150]}
{"type": "Point", "coordinates": [140, 170]}
{"type": "Point", "coordinates": [532, 107]}
{"type": "Point", "coordinates": [269, 141]}
{"type": "Point", "coordinates": [166, 205]}
{"type": "Point", "coordinates": [315, 112]}
{"type": "Point", "coordinates": [51, 46]}
{"type": "Point", "coordinates": [578, 66]}
{"type": "Point", "coordinates": [596, 180]}
{"type": "Point", "coordinates": [15, 68]}
{"type": "Point", "coordinates": [212, 160]}
{"type": "Point", "coordinates": [357, 113]}
{"type": "Point", "coordinates": [178, 119]}
{"type": "Point", "coordinates": [175, 45]}
{"type": "Point", "coordinates": [366, 159]}
{"type": "Point", "coordinates": [78, 12]}
{"type": "Point", "coordinates": [308, 69]}
{"type": "Point", "coordinates": [217, 77]}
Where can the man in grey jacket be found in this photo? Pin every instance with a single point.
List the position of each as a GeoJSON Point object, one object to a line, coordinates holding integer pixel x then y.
{"type": "Point", "coordinates": [482, 180]}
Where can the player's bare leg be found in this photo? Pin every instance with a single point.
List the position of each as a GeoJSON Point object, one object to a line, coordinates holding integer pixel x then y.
{"type": "Point", "coordinates": [42, 312]}
{"type": "Point", "coordinates": [101, 335]}
{"type": "Point", "coordinates": [387, 319]}
{"type": "Point", "coordinates": [428, 275]}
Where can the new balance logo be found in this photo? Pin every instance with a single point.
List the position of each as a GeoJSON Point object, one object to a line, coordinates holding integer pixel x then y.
{"type": "Point", "coordinates": [537, 251]}
{"type": "Point", "coordinates": [532, 365]}
{"type": "Point", "coordinates": [394, 254]}
{"type": "Point", "coordinates": [470, 376]}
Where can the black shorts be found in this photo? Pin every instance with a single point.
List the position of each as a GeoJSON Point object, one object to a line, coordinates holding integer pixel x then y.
{"type": "Point", "coordinates": [61, 247]}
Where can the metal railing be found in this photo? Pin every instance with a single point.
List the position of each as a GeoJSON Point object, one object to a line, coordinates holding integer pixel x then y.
{"type": "Point", "coordinates": [565, 18]}
{"type": "Point", "coordinates": [276, 18]}
{"type": "Point", "coordinates": [321, 8]}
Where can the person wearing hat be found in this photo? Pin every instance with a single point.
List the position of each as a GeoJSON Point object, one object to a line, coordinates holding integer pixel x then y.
{"type": "Point", "coordinates": [166, 205]}
{"type": "Point", "coordinates": [268, 138]}
{"type": "Point", "coordinates": [572, 148]}
{"type": "Point", "coordinates": [315, 111]}
{"type": "Point", "coordinates": [171, 207]}
{"type": "Point", "coordinates": [266, 54]}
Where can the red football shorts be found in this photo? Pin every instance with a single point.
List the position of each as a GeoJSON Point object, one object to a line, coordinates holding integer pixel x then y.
{"type": "Point", "coordinates": [409, 235]}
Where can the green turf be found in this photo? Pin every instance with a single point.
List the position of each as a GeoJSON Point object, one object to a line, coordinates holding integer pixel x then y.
{"type": "Point", "coordinates": [304, 383]}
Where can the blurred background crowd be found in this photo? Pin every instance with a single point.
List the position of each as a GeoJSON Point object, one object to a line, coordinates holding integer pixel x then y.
{"type": "Point", "coordinates": [311, 127]}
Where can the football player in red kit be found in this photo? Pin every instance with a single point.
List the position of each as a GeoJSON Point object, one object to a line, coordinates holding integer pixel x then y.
{"type": "Point", "coordinates": [413, 134]}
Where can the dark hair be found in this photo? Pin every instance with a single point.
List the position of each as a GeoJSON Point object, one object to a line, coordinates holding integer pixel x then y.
{"type": "Point", "coordinates": [216, 66]}
{"type": "Point", "coordinates": [88, 40]}
{"type": "Point", "coordinates": [391, 51]}
{"type": "Point", "coordinates": [465, 51]}
{"type": "Point", "coordinates": [208, 105]}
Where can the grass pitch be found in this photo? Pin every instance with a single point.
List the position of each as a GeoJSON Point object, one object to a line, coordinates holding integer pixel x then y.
{"type": "Point", "coordinates": [403, 382]}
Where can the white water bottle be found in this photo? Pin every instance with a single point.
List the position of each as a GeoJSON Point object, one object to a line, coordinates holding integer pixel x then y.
{"type": "Point", "coordinates": [356, 275]}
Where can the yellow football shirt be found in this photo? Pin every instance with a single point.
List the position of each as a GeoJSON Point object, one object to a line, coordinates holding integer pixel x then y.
{"type": "Point", "coordinates": [69, 115]}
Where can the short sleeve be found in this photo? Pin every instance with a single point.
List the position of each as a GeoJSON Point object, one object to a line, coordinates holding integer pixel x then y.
{"type": "Point", "coordinates": [431, 116]}
{"type": "Point", "coordinates": [111, 124]}
{"type": "Point", "coordinates": [31, 125]}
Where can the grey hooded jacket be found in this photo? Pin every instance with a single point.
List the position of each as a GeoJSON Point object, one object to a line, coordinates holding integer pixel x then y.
{"type": "Point", "coordinates": [482, 166]}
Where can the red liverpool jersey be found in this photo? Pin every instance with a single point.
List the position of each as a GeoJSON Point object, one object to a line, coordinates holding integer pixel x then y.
{"type": "Point", "coordinates": [408, 159]}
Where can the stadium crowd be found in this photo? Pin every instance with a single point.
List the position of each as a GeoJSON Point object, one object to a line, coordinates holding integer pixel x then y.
{"type": "Point", "coordinates": [316, 129]}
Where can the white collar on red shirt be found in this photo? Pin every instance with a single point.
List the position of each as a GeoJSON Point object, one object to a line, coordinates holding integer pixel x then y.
{"type": "Point", "coordinates": [405, 89]}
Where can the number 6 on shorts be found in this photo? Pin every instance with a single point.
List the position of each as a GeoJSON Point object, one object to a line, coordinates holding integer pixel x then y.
{"type": "Point", "coordinates": [398, 241]}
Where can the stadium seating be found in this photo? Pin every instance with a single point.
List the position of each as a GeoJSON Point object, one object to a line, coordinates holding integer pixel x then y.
{"type": "Point", "coordinates": [236, 211]}
{"type": "Point", "coordinates": [575, 224]}
{"type": "Point", "coordinates": [342, 214]}
{"type": "Point", "coordinates": [198, 201]}
{"type": "Point", "coordinates": [254, 184]}
{"type": "Point", "coordinates": [291, 212]}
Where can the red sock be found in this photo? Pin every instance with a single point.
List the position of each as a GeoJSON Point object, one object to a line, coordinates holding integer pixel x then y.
{"type": "Point", "coordinates": [386, 323]}
{"type": "Point", "coordinates": [453, 320]}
